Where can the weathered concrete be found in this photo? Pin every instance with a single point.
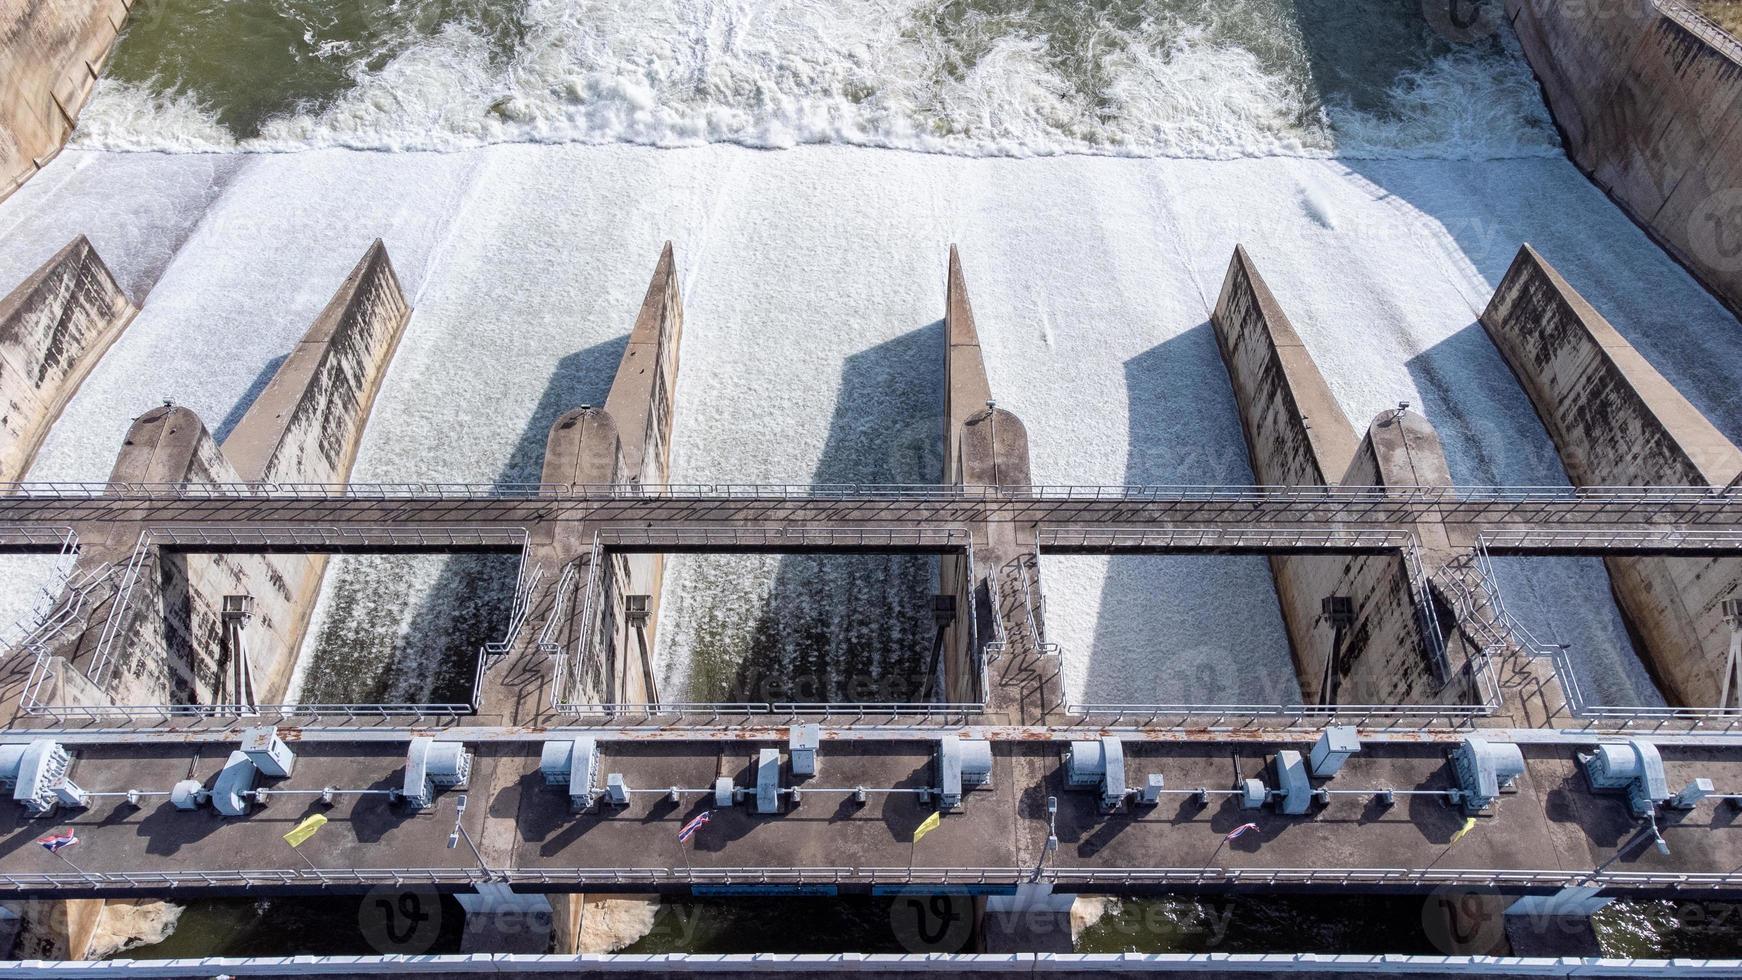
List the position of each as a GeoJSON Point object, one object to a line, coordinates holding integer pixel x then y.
{"type": "Point", "coordinates": [55, 929]}
{"type": "Point", "coordinates": [51, 52]}
{"type": "Point", "coordinates": [305, 428]}
{"type": "Point", "coordinates": [1297, 435]}
{"type": "Point", "coordinates": [53, 329]}
{"type": "Point", "coordinates": [1617, 422]}
{"type": "Point", "coordinates": [1646, 96]}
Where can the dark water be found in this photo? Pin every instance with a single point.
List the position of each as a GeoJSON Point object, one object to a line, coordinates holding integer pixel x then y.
{"type": "Point", "coordinates": [337, 925]}
{"type": "Point", "coordinates": [353, 925]}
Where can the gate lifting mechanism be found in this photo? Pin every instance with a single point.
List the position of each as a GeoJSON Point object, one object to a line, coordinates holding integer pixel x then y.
{"type": "Point", "coordinates": [429, 765]}
{"type": "Point", "coordinates": [38, 776]}
{"type": "Point", "coordinates": [962, 764]}
{"type": "Point", "coordinates": [1635, 768]}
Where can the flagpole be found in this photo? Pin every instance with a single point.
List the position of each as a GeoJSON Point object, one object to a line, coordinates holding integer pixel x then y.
{"type": "Point", "coordinates": [69, 862]}
{"type": "Point", "coordinates": [305, 859]}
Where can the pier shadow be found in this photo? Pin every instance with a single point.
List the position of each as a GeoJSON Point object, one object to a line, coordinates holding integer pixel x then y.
{"type": "Point", "coordinates": [255, 387]}
{"type": "Point", "coordinates": [1174, 628]}
{"type": "Point", "coordinates": [837, 627]}
{"type": "Point", "coordinates": [405, 629]}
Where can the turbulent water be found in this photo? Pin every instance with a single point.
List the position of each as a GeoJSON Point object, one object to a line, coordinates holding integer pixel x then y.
{"type": "Point", "coordinates": [1146, 77]}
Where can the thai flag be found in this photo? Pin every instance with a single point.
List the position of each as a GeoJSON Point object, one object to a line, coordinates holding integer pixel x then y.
{"type": "Point", "coordinates": [54, 842]}
{"type": "Point", "coordinates": [1237, 831]}
{"type": "Point", "coordinates": [688, 830]}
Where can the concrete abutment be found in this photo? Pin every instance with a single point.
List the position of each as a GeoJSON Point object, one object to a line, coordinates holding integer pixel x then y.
{"type": "Point", "coordinates": [51, 52]}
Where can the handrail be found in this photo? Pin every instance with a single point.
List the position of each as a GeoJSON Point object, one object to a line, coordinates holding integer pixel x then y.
{"type": "Point", "coordinates": [468, 874]}
{"type": "Point", "coordinates": [548, 491]}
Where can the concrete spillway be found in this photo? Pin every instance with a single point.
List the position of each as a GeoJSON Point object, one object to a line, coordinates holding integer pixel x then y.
{"type": "Point", "coordinates": [1116, 381]}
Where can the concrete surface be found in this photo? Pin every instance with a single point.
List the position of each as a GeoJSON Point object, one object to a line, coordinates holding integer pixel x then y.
{"type": "Point", "coordinates": [51, 52]}
{"type": "Point", "coordinates": [1646, 97]}
{"type": "Point", "coordinates": [53, 329]}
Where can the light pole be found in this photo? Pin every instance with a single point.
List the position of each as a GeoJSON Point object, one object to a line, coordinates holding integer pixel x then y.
{"type": "Point", "coordinates": [1052, 837]}
{"type": "Point", "coordinates": [459, 831]}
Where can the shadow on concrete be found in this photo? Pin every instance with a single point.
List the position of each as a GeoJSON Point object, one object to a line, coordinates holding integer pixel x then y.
{"type": "Point", "coordinates": [1186, 629]}
{"type": "Point", "coordinates": [365, 656]}
{"type": "Point", "coordinates": [845, 627]}
{"type": "Point", "coordinates": [255, 387]}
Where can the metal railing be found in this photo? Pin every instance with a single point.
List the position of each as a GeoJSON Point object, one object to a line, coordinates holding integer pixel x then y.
{"type": "Point", "coordinates": [782, 536]}
{"type": "Point", "coordinates": [1210, 538]}
{"type": "Point", "coordinates": [1676, 538]}
{"type": "Point", "coordinates": [1704, 27]}
{"type": "Point", "coordinates": [1497, 878]}
{"type": "Point", "coordinates": [1133, 492]}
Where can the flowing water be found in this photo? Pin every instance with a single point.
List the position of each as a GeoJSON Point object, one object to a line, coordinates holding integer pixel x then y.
{"type": "Point", "coordinates": [1096, 161]}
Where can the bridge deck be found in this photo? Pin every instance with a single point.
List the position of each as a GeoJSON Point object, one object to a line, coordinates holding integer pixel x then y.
{"type": "Point", "coordinates": [1512, 521]}
{"type": "Point", "coordinates": [1552, 832]}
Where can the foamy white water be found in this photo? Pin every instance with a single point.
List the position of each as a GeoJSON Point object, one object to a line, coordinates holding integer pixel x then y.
{"type": "Point", "coordinates": [1191, 78]}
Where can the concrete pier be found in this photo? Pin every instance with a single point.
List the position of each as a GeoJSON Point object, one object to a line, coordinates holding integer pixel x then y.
{"type": "Point", "coordinates": [626, 442]}
{"type": "Point", "coordinates": [51, 52]}
{"type": "Point", "coordinates": [173, 645]}
{"type": "Point", "coordinates": [53, 329]}
{"type": "Point", "coordinates": [1618, 423]}
{"type": "Point", "coordinates": [987, 446]}
{"type": "Point", "coordinates": [1297, 435]}
{"type": "Point", "coordinates": [1646, 95]}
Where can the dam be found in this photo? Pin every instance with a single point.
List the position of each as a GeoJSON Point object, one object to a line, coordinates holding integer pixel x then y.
{"type": "Point", "coordinates": [509, 495]}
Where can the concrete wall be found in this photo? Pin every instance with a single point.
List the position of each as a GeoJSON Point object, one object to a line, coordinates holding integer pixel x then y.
{"type": "Point", "coordinates": [51, 52]}
{"type": "Point", "coordinates": [53, 329]}
{"type": "Point", "coordinates": [1649, 99]}
{"type": "Point", "coordinates": [1617, 422]}
{"type": "Point", "coordinates": [1297, 435]}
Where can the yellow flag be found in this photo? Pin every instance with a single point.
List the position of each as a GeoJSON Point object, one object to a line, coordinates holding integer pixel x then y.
{"type": "Point", "coordinates": [1469, 825]}
{"type": "Point", "coordinates": [927, 825]}
{"type": "Point", "coordinates": [303, 831]}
